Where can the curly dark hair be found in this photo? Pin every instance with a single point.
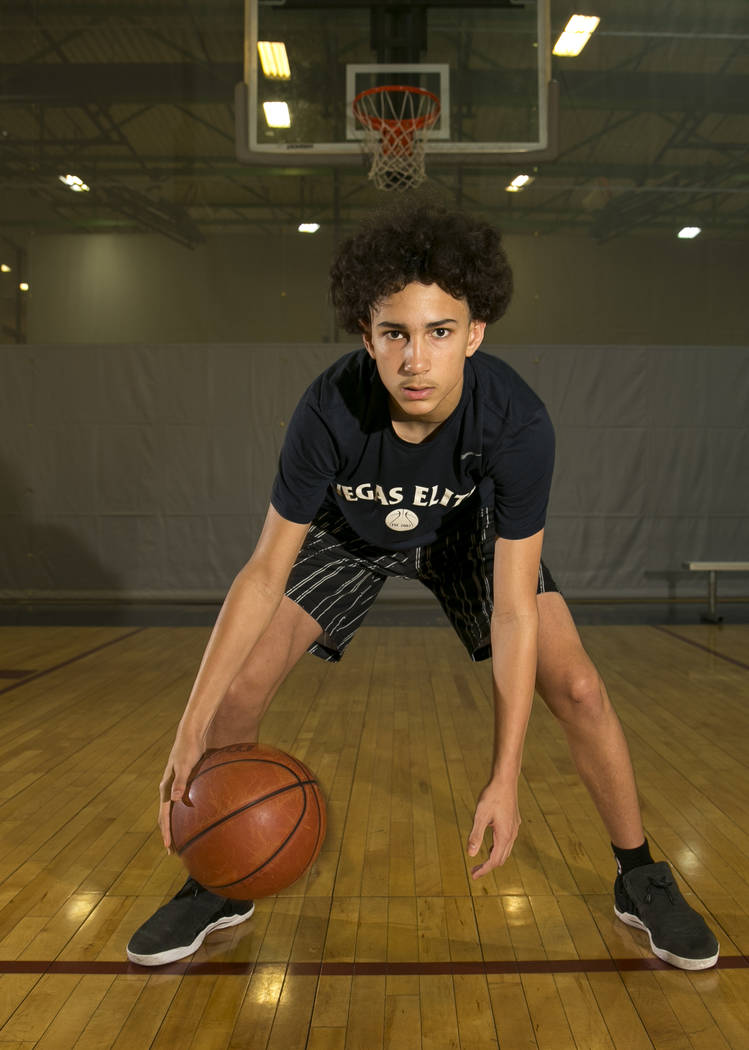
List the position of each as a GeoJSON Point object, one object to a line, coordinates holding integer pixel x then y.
{"type": "Point", "coordinates": [426, 242]}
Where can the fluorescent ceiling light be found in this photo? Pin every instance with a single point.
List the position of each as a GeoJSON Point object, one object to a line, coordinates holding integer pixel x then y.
{"type": "Point", "coordinates": [308, 227]}
{"type": "Point", "coordinates": [76, 184]}
{"type": "Point", "coordinates": [576, 35]}
{"type": "Point", "coordinates": [277, 114]}
{"type": "Point", "coordinates": [688, 233]}
{"type": "Point", "coordinates": [519, 183]}
{"type": "Point", "coordinates": [274, 60]}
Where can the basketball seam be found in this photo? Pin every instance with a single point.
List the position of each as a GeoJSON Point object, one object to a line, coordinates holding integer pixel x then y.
{"type": "Point", "coordinates": [255, 802]}
{"type": "Point", "coordinates": [266, 862]}
{"type": "Point", "coordinates": [234, 761]}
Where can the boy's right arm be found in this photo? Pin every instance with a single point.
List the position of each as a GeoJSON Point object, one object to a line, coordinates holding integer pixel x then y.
{"type": "Point", "coordinates": [247, 611]}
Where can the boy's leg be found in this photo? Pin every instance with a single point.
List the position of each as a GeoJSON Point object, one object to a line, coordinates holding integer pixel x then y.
{"type": "Point", "coordinates": [645, 894]}
{"type": "Point", "coordinates": [572, 688]}
{"type": "Point", "coordinates": [179, 927]}
{"type": "Point", "coordinates": [287, 638]}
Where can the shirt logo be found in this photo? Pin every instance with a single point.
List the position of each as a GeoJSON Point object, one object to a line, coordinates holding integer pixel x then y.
{"type": "Point", "coordinates": [402, 520]}
{"type": "Point", "coordinates": [467, 454]}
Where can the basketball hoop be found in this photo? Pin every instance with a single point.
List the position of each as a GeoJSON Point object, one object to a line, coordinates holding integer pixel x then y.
{"type": "Point", "coordinates": [396, 119]}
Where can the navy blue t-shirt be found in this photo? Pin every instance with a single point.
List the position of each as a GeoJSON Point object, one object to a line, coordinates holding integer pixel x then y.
{"type": "Point", "coordinates": [496, 448]}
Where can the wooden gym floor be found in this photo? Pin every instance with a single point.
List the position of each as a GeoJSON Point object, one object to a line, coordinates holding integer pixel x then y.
{"type": "Point", "coordinates": [387, 942]}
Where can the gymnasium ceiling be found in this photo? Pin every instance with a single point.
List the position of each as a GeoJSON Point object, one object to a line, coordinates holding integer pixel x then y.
{"type": "Point", "coordinates": [137, 98]}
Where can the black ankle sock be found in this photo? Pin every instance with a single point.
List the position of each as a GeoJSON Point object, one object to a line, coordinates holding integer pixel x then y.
{"type": "Point", "coordinates": [627, 859]}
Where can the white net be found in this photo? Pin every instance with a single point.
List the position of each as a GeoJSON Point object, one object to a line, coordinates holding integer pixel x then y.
{"type": "Point", "coordinates": [396, 120]}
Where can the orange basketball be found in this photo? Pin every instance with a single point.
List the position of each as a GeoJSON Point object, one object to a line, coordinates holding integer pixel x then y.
{"type": "Point", "coordinates": [252, 823]}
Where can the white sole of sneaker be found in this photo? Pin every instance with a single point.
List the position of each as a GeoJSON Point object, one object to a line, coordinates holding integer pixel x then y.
{"type": "Point", "coordinates": [180, 953]}
{"type": "Point", "coordinates": [661, 953]}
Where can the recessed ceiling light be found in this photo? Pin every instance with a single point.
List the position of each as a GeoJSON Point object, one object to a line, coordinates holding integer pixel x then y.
{"type": "Point", "coordinates": [308, 227]}
{"type": "Point", "coordinates": [688, 233]}
{"type": "Point", "coordinates": [4, 268]}
{"type": "Point", "coordinates": [274, 60]}
{"type": "Point", "coordinates": [519, 183]}
{"type": "Point", "coordinates": [76, 184]}
{"type": "Point", "coordinates": [24, 287]}
{"type": "Point", "coordinates": [575, 35]}
{"type": "Point", "coordinates": [277, 114]}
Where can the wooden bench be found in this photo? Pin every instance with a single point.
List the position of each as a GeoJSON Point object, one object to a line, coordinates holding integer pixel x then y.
{"type": "Point", "coordinates": [712, 568]}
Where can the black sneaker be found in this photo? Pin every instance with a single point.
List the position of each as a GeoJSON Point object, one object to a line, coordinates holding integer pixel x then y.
{"type": "Point", "coordinates": [649, 899]}
{"type": "Point", "coordinates": [179, 928]}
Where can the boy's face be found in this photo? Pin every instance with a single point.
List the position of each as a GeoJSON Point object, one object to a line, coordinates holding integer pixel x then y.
{"type": "Point", "coordinates": [419, 339]}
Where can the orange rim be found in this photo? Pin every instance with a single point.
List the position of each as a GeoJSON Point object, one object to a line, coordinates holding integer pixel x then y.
{"type": "Point", "coordinates": [391, 124]}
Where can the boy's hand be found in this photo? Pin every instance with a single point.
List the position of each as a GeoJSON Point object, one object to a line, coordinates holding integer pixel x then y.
{"type": "Point", "coordinates": [496, 808]}
{"type": "Point", "coordinates": [184, 756]}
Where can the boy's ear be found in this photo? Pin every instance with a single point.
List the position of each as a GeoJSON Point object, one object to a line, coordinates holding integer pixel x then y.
{"type": "Point", "coordinates": [475, 337]}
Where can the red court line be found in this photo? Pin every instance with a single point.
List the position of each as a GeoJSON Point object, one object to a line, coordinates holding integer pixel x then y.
{"type": "Point", "coordinates": [705, 648]}
{"type": "Point", "coordinates": [73, 659]}
{"type": "Point", "coordinates": [358, 969]}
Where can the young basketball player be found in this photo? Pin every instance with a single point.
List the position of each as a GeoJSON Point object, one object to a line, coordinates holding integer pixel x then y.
{"type": "Point", "coordinates": [419, 456]}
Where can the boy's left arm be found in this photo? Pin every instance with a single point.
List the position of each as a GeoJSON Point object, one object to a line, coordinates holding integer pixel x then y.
{"type": "Point", "coordinates": [514, 636]}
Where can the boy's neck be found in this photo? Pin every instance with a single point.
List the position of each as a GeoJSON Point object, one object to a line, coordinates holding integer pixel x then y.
{"type": "Point", "coordinates": [413, 430]}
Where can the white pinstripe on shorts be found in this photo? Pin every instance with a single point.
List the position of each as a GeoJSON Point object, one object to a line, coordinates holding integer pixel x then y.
{"type": "Point", "coordinates": [338, 575]}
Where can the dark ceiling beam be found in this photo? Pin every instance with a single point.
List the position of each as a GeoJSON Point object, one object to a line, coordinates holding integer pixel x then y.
{"type": "Point", "coordinates": [525, 223]}
{"type": "Point", "coordinates": [216, 167]}
{"type": "Point", "coordinates": [632, 209]}
{"type": "Point", "coordinates": [656, 92]}
{"type": "Point", "coordinates": [212, 9]}
{"type": "Point", "coordinates": [94, 12]}
{"type": "Point", "coordinates": [610, 125]}
{"type": "Point", "coordinates": [114, 205]}
{"type": "Point", "coordinates": [532, 204]}
{"type": "Point", "coordinates": [53, 45]}
{"type": "Point", "coordinates": [206, 123]}
{"type": "Point", "coordinates": [73, 84]}
{"type": "Point", "coordinates": [58, 84]}
{"type": "Point", "coordinates": [345, 5]}
{"type": "Point", "coordinates": [709, 21]}
{"type": "Point", "coordinates": [170, 220]}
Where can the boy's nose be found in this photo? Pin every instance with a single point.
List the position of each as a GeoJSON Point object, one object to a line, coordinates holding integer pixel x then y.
{"type": "Point", "coordinates": [416, 360]}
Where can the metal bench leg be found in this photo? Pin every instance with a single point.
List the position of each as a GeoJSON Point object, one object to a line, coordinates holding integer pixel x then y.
{"type": "Point", "coordinates": [712, 599]}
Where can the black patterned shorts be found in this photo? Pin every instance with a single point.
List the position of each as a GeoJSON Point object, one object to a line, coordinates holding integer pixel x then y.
{"type": "Point", "coordinates": [337, 576]}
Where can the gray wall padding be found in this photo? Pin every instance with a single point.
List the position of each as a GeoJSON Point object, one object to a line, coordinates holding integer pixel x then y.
{"type": "Point", "coordinates": [147, 469]}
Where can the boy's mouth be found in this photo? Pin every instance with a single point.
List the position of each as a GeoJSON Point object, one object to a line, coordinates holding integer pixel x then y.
{"type": "Point", "coordinates": [417, 393]}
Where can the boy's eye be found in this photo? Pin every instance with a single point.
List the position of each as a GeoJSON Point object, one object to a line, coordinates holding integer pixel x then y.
{"type": "Point", "coordinates": [394, 334]}
{"type": "Point", "coordinates": [441, 332]}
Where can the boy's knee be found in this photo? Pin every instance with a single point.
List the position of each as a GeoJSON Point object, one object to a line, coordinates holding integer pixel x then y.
{"type": "Point", "coordinates": [579, 697]}
{"type": "Point", "coordinates": [585, 692]}
{"type": "Point", "coordinates": [247, 690]}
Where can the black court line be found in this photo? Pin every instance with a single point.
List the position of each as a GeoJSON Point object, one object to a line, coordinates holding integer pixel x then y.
{"type": "Point", "coordinates": [705, 648]}
{"type": "Point", "coordinates": [359, 969]}
{"type": "Point", "coordinates": [73, 659]}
